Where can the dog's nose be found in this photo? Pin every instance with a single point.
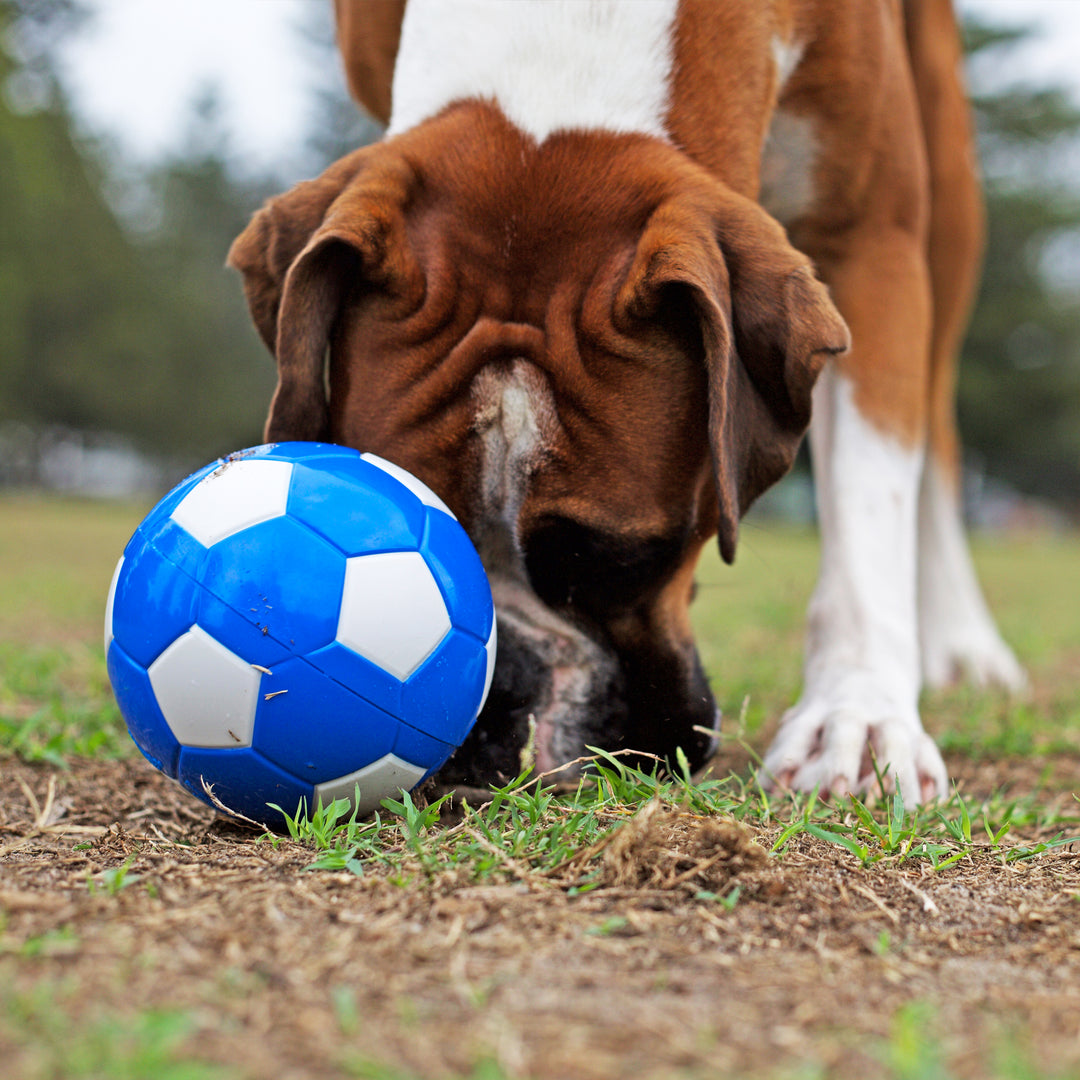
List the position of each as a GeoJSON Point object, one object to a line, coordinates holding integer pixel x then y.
{"type": "Point", "coordinates": [551, 678]}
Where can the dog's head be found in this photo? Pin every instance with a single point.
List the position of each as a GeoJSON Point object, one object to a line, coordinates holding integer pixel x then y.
{"type": "Point", "coordinates": [596, 353]}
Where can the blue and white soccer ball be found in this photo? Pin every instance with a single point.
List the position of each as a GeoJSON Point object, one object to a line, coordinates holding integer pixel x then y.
{"type": "Point", "coordinates": [295, 620]}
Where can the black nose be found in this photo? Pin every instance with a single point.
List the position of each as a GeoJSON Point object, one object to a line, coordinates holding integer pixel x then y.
{"type": "Point", "coordinates": [527, 686]}
{"type": "Point", "coordinates": [671, 705]}
{"type": "Point", "coordinates": [492, 751]}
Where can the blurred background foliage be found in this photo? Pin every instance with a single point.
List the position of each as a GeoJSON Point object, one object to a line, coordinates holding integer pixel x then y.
{"type": "Point", "coordinates": [1019, 391]}
{"type": "Point", "coordinates": [119, 320]}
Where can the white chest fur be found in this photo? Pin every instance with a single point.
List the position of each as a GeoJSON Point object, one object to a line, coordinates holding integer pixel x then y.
{"type": "Point", "coordinates": [549, 64]}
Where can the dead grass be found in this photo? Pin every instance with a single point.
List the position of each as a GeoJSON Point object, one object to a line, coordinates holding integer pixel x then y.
{"type": "Point", "coordinates": [141, 937]}
{"type": "Point", "coordinates": [661, 847]}
{"type": "Point", "coordinates": [56, 560]}
{"type": "Point", "coordinates": [821, 963]}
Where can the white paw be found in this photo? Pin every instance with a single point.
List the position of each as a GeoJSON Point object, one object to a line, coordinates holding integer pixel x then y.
{"type": "Point", "coordinates": [978, 656]}
{"type": "Point", "coordinates": [834, 749]}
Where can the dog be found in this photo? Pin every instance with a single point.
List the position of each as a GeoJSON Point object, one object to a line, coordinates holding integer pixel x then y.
{"type": "Point", "coordinates": [591, 285]}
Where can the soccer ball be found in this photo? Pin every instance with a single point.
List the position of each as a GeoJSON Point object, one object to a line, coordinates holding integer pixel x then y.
{"type": "Point", "coordinates": [295, 620]}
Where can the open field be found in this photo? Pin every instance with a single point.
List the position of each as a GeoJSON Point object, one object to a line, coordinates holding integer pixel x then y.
{"type": "Point", "coordinates": [658, 930]}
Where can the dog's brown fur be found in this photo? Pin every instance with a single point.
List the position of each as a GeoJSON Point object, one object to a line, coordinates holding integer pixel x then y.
{"type": "Point", "coordinates": [677, 327]}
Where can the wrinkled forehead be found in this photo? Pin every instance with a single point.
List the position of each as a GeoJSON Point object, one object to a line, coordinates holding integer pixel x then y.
{"type": "Point", "coordinates": [523, 207]}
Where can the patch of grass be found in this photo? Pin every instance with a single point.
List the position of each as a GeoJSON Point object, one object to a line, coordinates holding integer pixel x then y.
{"type": "Point", "coordinates": [750, 620]}
{"type": "Point", "coordinates": [114, 880]}
{"type": "Point", "coordinates": [365, 1069]}
{"type": "Point", "coordinates": [1023, 580]}
{"type": "Point", "coordinates": [522, 828]}
{"type": "Point", "coordinates": [57, 557]}
{"type": "Point", "coordinates": [40, 1037]}
{"type": "Point", "coordinates": [917, 1049]}
{"type": "Point", "coordinates": [56, 560]}
{"type": "Point", "coordinates": [941, 834]}
{"type": "Point", "coordinates": [981, 724]}
{"type": "Point", "coordinates": [530, 832]}
{"type": "Point", "coordinates": [56, 703]}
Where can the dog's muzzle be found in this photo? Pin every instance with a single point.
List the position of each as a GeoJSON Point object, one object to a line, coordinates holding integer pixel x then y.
{"type": "Point", "coordinates": [555, 690]}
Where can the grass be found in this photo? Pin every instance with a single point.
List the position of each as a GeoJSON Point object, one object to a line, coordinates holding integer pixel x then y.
{"type": "Point", "coordinates": [56, 559]}
{"type": "Point", "coordinates": [532, 833]}
{"type": "Point", "coordinates": [55, 702]}
{"type": "Point", "coordinates": [750, 617]}
{"type": "Point", "coordinates": [45, 1033]}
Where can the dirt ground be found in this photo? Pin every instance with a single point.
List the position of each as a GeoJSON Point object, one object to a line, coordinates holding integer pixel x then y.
{"type": "Point", "coordinates": [822, 968]}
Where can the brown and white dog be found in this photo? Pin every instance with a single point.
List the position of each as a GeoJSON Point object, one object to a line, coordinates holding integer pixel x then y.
{"type": "Point", "coordinates": [587, 288]}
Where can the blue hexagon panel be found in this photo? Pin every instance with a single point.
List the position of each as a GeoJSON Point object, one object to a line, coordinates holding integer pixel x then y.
{"type": "Point", "coordinates": [300, 452]}
{"type": "Point", "coordinates": [356, 506]}
{"type": "Point", "coordinates": [147, 583]}
{"type": "Point", "coordinates": [315, 727]}
{"type": "Point", "coordinates": [353, 670]}
{"type": "Point", "coordinates": [139, 706]}
{"type": "Point", "coordinates": [282, 577]}
{"type": "Point", "coordinates": [420, 749]}
{"type": "Point", "coordinates": [172, 542]}
{"type": "Point", "coordinates": [443, 697]}
{"type": "Point", "coordinates": [243, 780]}
{"type": "Point", "coordinates": [449, 552]}
{"type": "Point", "coordinates": [244, 638]}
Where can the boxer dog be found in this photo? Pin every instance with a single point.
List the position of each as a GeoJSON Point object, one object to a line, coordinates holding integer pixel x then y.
{"type": "Point", "coordinates": [588, 287]}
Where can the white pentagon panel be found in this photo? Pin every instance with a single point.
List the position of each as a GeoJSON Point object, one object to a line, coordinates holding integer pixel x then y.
{"type": "Point", "coordinates": [240, 494]}
{"type": "Point", "coordinates": [378, 780]}
{"type": "Point", "coordinates": [109, 604]}
{"type": "Point", "coordinates": [490, 649]}
{"type": "Point", "coordinates": [207, 693]}
{"type": "Point", "coordinates": [417, 487]}
{"type": "Point", "coordinates": [392, 612]}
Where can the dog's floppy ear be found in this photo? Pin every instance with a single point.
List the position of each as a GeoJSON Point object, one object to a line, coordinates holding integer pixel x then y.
{"type": "Point", "coordinates": [766, 324]}
{"type": "Point", "coordinates": [301, 256]}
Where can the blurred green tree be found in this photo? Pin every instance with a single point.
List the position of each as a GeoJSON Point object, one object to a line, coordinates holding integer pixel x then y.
{"type": "Point", "coordinates": [64, 261]}
{"type": "Point", "coordinates": [129, 326]}
{"type": "Point", "coordinates": [208, 361]}
{"type": "Point", "coordinates": [117, 313]}
{"type": "Point", "coordinates": [1019, 388]}
{"type": "Point", "coordinates": [336, 124]}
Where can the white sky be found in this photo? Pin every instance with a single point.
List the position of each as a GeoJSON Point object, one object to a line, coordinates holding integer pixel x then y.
{"type": "Point", "coordinates": [134, 71]}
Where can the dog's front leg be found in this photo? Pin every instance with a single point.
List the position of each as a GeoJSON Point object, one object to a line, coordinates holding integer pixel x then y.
{"type": "Point", "coordinates": [860, 696]}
